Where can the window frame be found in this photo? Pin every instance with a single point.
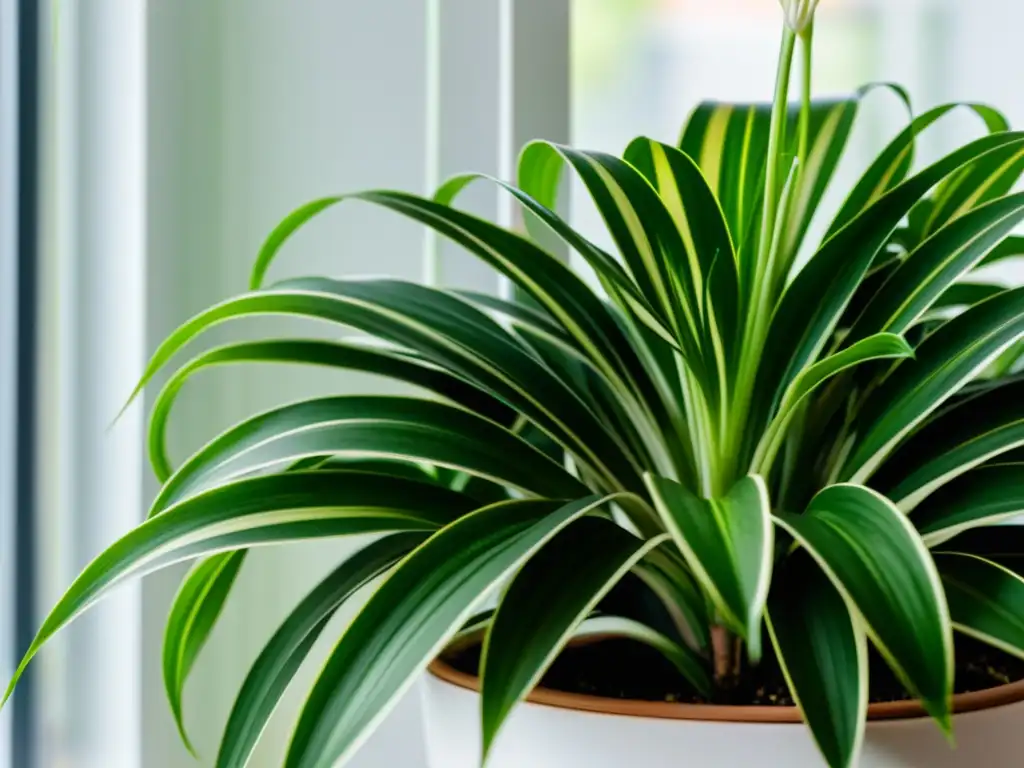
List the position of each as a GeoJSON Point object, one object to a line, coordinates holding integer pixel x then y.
{"type": "Point", "coordinates": [19, 108]}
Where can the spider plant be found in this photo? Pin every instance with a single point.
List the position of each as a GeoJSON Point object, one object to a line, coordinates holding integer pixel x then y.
{"type": "Point", "coordinates": [779, 440]}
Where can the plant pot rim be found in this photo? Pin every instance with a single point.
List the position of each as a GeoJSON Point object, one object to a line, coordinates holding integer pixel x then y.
{"type": "Point", "coordinates": [990, 698]}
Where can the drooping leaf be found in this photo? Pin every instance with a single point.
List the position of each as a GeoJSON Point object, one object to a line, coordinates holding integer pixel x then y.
{"type": "Point", "coordinates": [945, 361]}
{"type": "Point", "coordinates": [812, 306]}
{"type": "Point", "coordinates": [727, 543]}
{"type": "Point", "coordinates": [347, 356]}
{"type": "Point", "coordinates": [534, 622]}
{"type": "Point", "coordinates": [823, 653]}
{"type": "Point", "coordinates": [195, 610]}
{"type": "Point", "coordinates": [399, 428]}
{"type": "Point", "coordinates": [679, 592]}
{"type": "Point", "coordinates": [983, 496]}
{"type": "Point", "coordinates": [539, 178]}
{"type": "Point", "coordinates": [928, 271]}
{"type": "Point", "coordinates": [629, 420]}
{"type": "Point", "coordinates": [445, 330]}
{"type": "Point", "coordinates": [894, 162]}
{"type": "Point", "coordinates": [411, 618]}
{"type": "Point", "coordinates": [262, 510]}
{"type": "Point", "coordinates": [652, 248]}
{"type": "Point", "coordinates": [541, 275]}
{"type": "Point", "coordinates": [521, 313]}
{"type": "Point", "coordinates": [986, 600]}
{"type": "Point", "coordinates": [875, 558]}
{"type": "Point", "coordinates": [881, 346]}
{"type": "Point", "coordinates": [465, 340]}
{"type": "Point", "coordinates": [282, 656]}
{"type": "Point", "coordinates": [979, 427]}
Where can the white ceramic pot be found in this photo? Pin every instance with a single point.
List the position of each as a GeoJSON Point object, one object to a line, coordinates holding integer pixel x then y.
{"type": "Point", "coordinates": [556, 730]}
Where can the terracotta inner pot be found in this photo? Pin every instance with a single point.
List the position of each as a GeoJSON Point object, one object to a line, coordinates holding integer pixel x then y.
{"type": "Point", "coordinates": [895, 710]}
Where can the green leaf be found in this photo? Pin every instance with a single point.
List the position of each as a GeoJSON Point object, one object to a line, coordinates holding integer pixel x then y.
{"type": "Point", "coordinates": [280, 659]}
{"type": "Point", "coordinates": [651, 246]}
{"type": "Point", "coordinates": [823, 653]}
{"type": "Point", "coordinates": [599, 627]}
{"type": "Point", "coordinates": [982, 426]}
{"type": "Point", "coordinates": [539, 179]}
{"type": "Point", "coordinates": [946, 361]}
{"type": "Point", "coordinates": [875, 558]}
{"type": "Point", "coordinates": [727, 543]}
{"type": "Point", "coordinates": [443, 329]}
{"type": "Point", "coordinates": [812, 306]}
{"type": "Point", "coordinates": [539, 174]}
{"type": "Point", "coordinates": [894, 162]}
{"type": "Point", "coordinates": [394, 428]}
{"type": "Point", "coordinates": [690, 665]}
{"type": "Point", "coordinates": [1011, 248]}
{"type": "Point", "coordinates": [881, 346]}
{"type": "Point", "coordinates": [194, 613]}
{"type": "Point", "coordinates": [709, 251]}
{"type": "Point", "coordinates": [541, 275]}
{"type": "Point", "coordinates": [394, 365]}
{"type": "Point", "coordinates": [981, 497]}
{"type": "Point", "coordinates": [933, 267]}
{"type": "Point", "coordinates": [522, 314]}
{"type": "Point", "coordinates": [986, 600]}
{"type": "Point", "coordinates": [534, 622]}
{"type": "Point", "coordinates": [261, 510]}
{"type": "Point", "coordinates": [677, 590]}
{"type": "Point", "coordinates": [624, 418]}
{"type": "Point", "coordinates": [990, 178]}
{"type": "Point", "coordinates": [366, 427]}
{"type": "Point", "coordinates": [411, 618]}
{"type": "Point", "coordinates": [730, 144]}
{"type": "Point", "coordinates": [206, 588]}
{"type": "Point", "coordinates": [966, 294]}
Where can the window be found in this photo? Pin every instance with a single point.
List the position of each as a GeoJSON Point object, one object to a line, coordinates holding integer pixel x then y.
{"type": "Point", "coordinates": [640, 66]}
{"type": "Point", "coordinates": [175, 133]}
{"type": "Point", "coordinates": [18, 174]}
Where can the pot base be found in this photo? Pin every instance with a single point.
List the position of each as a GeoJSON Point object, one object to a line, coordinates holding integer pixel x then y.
{"type": "Point", "coordinates": [988, 733]}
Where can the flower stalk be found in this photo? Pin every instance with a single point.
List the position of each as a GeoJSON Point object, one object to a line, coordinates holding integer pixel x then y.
{"type": "Point", "coordinates": [786, 253]}
{"type": "Point", "coordinates": [759, 292]}
{"type": "Point", "coordinates": [799, 14]}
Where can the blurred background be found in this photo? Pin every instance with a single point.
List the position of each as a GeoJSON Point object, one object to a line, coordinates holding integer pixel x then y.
{"type": "Point", "coordinates": [148, 146]}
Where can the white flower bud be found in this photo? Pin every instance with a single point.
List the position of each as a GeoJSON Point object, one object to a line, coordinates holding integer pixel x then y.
{"type": "Point", "coordinates": [799, 13]}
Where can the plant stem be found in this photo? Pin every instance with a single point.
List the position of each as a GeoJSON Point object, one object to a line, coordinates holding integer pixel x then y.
{"type": "Point", "coordinates": [727, 658]}
{"type": "Point", "coordinates": [759, 292]}
{"type": "Point", "coordinates": [776, 143]}
{"type": "Point", "coordinates": [785, 255]}
{"type": "Point", "coordinates": [806, 45]}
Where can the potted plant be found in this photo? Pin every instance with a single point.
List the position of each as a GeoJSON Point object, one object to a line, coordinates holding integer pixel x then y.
{"type": "Point", "coordinates": [731, 490]}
